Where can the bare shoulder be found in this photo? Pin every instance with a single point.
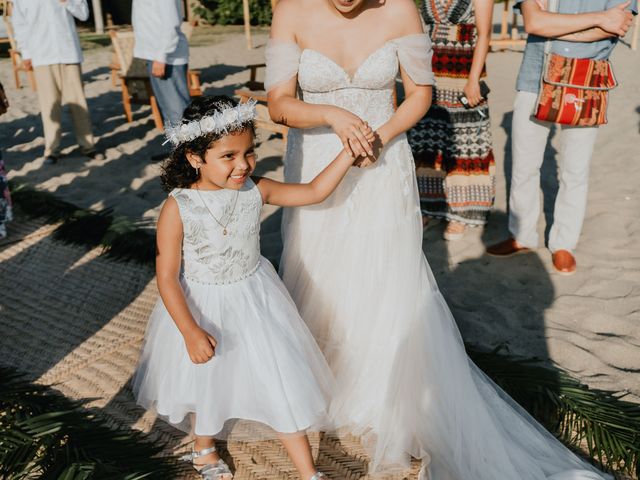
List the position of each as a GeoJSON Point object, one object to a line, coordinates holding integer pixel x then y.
{"type": "Point", "coordinates": [287, 18]}
{"type": "Point", "coordinates": [170, 215]}
{"type": "Point", "coordinates": [405, 17]}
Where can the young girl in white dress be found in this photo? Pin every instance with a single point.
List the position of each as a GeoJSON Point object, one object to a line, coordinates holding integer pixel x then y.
{"type": "Point", "coordinates": [225, 340]}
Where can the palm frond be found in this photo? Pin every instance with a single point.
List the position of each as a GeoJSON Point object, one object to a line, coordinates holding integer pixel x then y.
{"type": "Point", "coordinates": [36, 203]}
{"type": "Point", "coordinates": [45, 434]}
{"type": "Point", "coordinates": [608, 426]}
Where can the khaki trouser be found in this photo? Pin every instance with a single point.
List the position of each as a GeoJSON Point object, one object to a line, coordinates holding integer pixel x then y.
{"type": "Point", "coordinates": [58, 83]}
{"type": "Point", "coordinates": [529, 139]}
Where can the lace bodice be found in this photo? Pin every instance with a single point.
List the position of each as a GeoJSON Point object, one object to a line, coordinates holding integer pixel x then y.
{"type": "Point", "coordinates": [209, 256]}
{"type": "Point", "coordinates": [369, 92]}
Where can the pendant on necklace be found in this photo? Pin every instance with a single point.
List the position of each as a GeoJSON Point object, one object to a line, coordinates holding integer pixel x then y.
{"type": "Point", "coordinates": [224, 231]}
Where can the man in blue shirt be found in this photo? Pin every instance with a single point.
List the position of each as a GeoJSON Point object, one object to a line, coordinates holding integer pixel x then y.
{"type": "Point", "coordinates": [580, 29]}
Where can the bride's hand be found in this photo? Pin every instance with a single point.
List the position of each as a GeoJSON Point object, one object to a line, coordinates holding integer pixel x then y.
{"type": "Point", "coordinates": [355, 134]}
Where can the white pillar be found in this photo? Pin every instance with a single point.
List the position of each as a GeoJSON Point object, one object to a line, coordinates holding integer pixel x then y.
{"type": "Point", "coordinates": [97, 15]}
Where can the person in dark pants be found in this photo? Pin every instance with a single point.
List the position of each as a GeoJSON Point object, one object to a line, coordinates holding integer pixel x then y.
{"type": "Point", "coordinates": [159, 41]}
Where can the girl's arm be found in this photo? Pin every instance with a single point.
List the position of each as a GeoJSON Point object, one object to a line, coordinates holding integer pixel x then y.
{"type": "Point", "coordinates": [285, 108]}
{"type": "Point", "coordinates": [484, 12]}
{"type": "Point", "coordinates": [200, 345]}
{"type": "Point", "coordinates": [300, 194]}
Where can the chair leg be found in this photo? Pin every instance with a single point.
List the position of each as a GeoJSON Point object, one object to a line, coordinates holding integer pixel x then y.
{"type": "Point", "coordinates": [155, 110]}
{"type": "Point", "coordinates": [32, 80]}
{"type": "Point", "coordinates": [16, 71]}
{"type": "Point", "coordinates": [126, 102]}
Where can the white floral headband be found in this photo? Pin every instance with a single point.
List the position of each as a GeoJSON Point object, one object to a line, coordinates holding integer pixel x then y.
{"type": "Point", "coordinates": [229, 118]}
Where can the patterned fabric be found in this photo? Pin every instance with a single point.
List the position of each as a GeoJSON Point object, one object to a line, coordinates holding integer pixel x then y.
{"type": "Point", "coordinates": [452, 145]}
{"type": "Point", "coordinates": [5, 201]}
{"type": "Point", "coordinates": [209, 255]}
{"type": "Point", "coordinates": [575, 91]}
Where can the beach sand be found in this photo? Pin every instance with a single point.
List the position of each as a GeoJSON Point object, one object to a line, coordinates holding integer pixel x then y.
{"type": "Point", "coordinates": [588, 323]}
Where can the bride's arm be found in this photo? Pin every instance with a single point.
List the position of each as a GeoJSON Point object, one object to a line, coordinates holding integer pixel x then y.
{"type": "Point", "coordinates": [415, 105]}
{"type": "Point", "coordinates": [414, 54]}
{"type": "Point", "coordinates": [285, 108]}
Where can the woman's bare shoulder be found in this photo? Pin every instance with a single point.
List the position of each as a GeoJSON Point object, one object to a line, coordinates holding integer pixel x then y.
{"type": "Point", "coordinates": [289, 17]}
{"type": "Point", "coordinates": [404, 17]}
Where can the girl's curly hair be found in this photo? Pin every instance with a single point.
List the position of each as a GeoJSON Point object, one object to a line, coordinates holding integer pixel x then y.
{"type": "Point", "coordinates": [177, 172]}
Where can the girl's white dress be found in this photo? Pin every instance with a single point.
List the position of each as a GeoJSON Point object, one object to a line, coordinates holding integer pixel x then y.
{"type": "Point", "coordinates": [355, 268]}
{"type": "Point", "coordinates": [267, 366]}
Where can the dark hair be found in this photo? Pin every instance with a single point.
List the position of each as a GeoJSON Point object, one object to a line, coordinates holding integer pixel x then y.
{"type": "Point", "coordinates": [177, 172]}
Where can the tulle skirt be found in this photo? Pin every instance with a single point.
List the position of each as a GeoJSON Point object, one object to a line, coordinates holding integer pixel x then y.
{"type": "Point", "coordinates": [355, 268]}
{"type": "Point", "coordinates": [267, 367]}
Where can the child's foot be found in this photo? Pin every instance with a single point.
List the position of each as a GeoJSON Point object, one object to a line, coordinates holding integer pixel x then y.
{"type": "Point", "coordinates": [208, 464]}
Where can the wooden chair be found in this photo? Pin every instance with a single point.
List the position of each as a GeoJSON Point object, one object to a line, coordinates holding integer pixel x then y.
{"type": "Point", "coordinates": [508, 39]}
{"type": "Point", "coordinates": [254, 89]}
{"type": "Point", "coordinates": [134, 78]}
{"type": "Point", "coordinates": [16, 59]}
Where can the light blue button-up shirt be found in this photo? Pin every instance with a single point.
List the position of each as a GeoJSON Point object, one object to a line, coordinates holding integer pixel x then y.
{"type": "Point", "coordinates": [46, 31]}
{"type": "Point", "coordinates": [532, 62]}
{"type": "Point", "coordinates": [156, 26]}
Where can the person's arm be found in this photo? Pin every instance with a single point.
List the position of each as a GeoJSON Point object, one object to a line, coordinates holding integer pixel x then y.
{"type": "Point", "coordinates": [417, 98]}
{"type": "Point", "coordinates": [553, 25]}
{"type": "Point", "coordinates": [21, 30]}
{"type": "Point", "coordinates": [300, 194]}
{"type": "Point", "coordinates": [167, 34]}
{"type": "Point", "coordinates": [200, 345]}
{"type": "Point", "coordinates": [483, 12]}
{"type": "Point", "coordinates": [77, 8]}
{"type": "Point", "coordinates": [286, 109]}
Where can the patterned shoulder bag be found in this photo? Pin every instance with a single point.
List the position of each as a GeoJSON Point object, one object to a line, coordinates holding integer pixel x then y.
{"type": "Point", "coordinates": [573, 91]}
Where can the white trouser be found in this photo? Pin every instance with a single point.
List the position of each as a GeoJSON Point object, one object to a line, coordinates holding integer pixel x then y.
{"type": "Point", "coordinates": [529, 139]}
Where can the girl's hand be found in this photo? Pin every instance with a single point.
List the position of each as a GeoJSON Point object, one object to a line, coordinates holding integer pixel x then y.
{"type": "Point", "coordinates": [472, 92]}
{"type": "Point", "coordinates": [377, 145]}
{"type": "Point", "coordinates": [200, 345]}
{"type": "Point", "coordinates": [356, 135]}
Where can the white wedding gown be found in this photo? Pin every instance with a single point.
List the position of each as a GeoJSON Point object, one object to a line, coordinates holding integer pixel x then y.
{"type": "Point", "coordinates": [355, 268]}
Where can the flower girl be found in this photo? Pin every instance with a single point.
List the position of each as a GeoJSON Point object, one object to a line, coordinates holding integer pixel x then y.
{"type": "Point", "coordinates": [225, 340]}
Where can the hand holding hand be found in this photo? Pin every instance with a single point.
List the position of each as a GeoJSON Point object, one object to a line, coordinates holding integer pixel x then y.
{"type": "Point", "coordinates": [377, 145]}
{"type": "Point", "coordinates": [617, 20]}
{"type": "Point", "coordinates": [472, 92]}
{"type": "Point", "coordinates": [158, 69]}
{"type": "Point", "coordinates": [200, 345]}
{"type": "Point", "coordinates": [26, 63]}
{"type": "Point", "coordinates": [354, 133]}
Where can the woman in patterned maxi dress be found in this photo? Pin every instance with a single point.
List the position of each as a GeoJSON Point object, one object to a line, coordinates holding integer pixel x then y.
{"type": "Point", "coordinates": [452, 145]}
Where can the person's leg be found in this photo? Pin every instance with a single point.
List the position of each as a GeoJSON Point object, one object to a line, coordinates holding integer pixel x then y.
{"type": "Point", "coordinates": [575, 157]}
{"type": "Point", "coordinates": [48, 79]}
{"type": "Point", "coordinates": [529, 139]}
{"type": "Point", "coordinates": [203, 443]}
{"type": "Point", "coordinates": [171, 92]}
{"type": "Point", "coordinates": [299, 450]}
{"type": "Point", "coordinates": [73, 95]}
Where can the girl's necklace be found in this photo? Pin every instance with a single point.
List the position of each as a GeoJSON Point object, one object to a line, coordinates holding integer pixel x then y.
{"type": "Point", "coordinates": [224, 227]}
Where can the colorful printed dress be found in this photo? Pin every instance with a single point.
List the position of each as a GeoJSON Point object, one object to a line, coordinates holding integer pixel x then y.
{"type": "Point", "coordinates": [451, 145]}
{"type": "Point", "coordinates": [5, 201]}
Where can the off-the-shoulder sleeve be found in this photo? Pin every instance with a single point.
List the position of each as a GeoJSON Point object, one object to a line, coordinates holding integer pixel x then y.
{"type": "Point", "coordinates": [414, 55]}
{"type": "Point", "coordinates": [283, 59]}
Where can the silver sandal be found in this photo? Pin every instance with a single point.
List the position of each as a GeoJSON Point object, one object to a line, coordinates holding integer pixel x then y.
{"type": "Point", "coordinates": [209, 471]}
{"type": "Point", "coordinates": [319, 476]}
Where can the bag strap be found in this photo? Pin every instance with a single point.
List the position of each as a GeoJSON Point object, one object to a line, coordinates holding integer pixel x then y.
{"type": "Point", "coordinates": [553, 8]}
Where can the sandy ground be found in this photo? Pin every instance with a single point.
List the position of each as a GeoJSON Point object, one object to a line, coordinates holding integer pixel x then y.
{"type": "Point", "coordinates": [587, 323]}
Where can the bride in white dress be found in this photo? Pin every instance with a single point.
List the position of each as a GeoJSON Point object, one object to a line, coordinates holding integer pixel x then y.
{"type": "Point", "coordinates": [354, 264]}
